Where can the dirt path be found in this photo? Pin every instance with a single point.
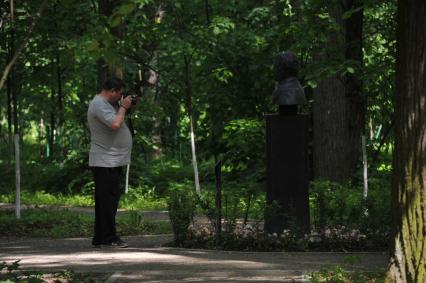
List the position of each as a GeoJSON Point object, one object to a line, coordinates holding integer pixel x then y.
{"type": "Point", "coordinates": [146, 261]}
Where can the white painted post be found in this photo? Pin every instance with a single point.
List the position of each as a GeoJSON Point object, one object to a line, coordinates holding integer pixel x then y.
{"type": "Point", "coordinates": [365, 165]}
{"type": "Point", "coordinates": [17, 178]}
{"type": "Point", "coordinates": [127, 179]}
{"type": "Point", "coordinates": [194, 159]}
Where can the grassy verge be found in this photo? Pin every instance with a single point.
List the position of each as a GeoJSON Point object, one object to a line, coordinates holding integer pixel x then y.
{"type": "Point", "coordinates": [11, 273]}
{"type": "Point", "coordinates": [64, 223]}
{"type": "Point", "coordinates": [340, 275]}
{"type": "Point", "coordinates": [132, 200]}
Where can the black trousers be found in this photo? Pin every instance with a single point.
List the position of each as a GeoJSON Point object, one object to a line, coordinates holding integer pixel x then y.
{"type": "Point", "coordinates": [107, 196]}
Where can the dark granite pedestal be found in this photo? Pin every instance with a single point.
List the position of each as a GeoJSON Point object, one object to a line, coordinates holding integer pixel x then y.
{"type": "Point", "coordinates": [287, 173]}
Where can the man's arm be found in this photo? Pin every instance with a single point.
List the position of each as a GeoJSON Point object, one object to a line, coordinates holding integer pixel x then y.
{"type": "Point", "coordinates": [125, 104]}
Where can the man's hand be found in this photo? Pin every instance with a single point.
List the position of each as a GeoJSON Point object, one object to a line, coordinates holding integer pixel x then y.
{"type": "Point", "coordinates": [126, 102]}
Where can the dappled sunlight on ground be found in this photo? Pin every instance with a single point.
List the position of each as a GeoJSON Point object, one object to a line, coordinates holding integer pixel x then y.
{"type": "Point", "coordinates": [146, 260]}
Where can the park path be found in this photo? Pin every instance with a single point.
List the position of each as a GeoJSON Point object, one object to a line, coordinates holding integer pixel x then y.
{"type": "Point", "coordinates": [147, 261]}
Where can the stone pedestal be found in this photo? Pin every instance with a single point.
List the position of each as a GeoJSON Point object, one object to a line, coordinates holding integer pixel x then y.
{"type": "Point", "coordinates": [287, 173]}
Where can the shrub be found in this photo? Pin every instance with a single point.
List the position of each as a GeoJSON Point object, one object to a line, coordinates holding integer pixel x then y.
{"type": "Point", "coordinates": [181, 213]}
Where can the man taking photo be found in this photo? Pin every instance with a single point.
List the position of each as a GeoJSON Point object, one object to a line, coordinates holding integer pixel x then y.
{"type": "Point", "coordinates": [110, 150]}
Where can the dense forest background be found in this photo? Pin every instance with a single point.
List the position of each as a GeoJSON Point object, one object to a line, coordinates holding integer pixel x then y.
{"type": "Point", "coordinates": [202, 67]}
{"type": "Point", "coordinates": [203, 70]}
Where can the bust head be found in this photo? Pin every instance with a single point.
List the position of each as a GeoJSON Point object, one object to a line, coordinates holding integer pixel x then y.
{"type": "Point", "coordinates": [286, 65]}
{"type": "Point", "coordinates": [288, 90]}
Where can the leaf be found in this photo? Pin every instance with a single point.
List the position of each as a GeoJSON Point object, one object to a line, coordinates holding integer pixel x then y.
{"type": "Point", "coordinates": [350, 70]}
{"type": "Point", "coordinates": [346, 15]}
{"type": "Point", "coordinates": [126, 9]}
{"type": "Point", "coordinates": [115, 20]}
{"type": "Point", "coordinates": [93, 46]}
{"type": "Point", "coordinates": [67, 3]}
{"type": "Point", "coordinates": [312, 84]}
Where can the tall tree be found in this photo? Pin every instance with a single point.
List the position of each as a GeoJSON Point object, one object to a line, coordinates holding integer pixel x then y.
{"type": "Point", "coordinates": [408, 257]}
{"type": "Point", "coordinates": [15, 114]}
{"type": "Point", "coordinates": [339, 104]}
{"type": "Point", "coordinates": [112, 67]}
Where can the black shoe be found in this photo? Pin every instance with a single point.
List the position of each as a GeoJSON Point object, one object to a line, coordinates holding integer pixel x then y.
{"type": "Point", "coordinates": [117, 244]}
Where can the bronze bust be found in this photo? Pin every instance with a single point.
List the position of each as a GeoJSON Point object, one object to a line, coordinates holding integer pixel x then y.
{"type": "Point", "coordinates": [288, 93]}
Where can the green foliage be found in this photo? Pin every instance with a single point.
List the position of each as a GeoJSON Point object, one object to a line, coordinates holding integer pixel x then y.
{"type": "Point", "coordinates": [11, 273]}
{"type": "Point", "coordinates": [58, 223]}
{"type": "Point", "coordinates": [181, 213]}
{"type": "Point", "coordinates": [42, 198]}
{"type": "Point", "coordinates": [339, 275]}
{"type": "Point", "coordinates": [142, 198]}
{"type": "Point", "coordinates": [244, 148]}
{"type": "Point", "coordinates": [45, 223]}
{"type": "Point", "coordinates": [214, 63]}
{"type": "Point", "coordinates": [333, 204]}
{"type": "Point", "coordinates": [157, 177]}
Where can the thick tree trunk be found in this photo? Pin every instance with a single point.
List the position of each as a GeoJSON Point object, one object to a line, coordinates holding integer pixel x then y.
{"type": "Point", "coordinates": [355, 100]}
{"type": "Point", "coordinates": [408, 257]}
{"type": "Point", "coordinates": [329, 113]}
{"type": "Point", "coordinates": [330, 135]}
{"type": "Point", "coordinates": [339, 106]}
{"type": "Point", "coordinates": [106, 69]}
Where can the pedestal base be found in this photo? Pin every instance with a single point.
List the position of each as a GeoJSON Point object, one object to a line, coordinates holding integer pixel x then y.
{"type": "Point", "coordinates": [287, 173]}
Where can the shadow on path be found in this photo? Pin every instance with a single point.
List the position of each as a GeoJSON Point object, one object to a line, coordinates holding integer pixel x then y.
{"type": "Point", "coordinates": [146, 261]}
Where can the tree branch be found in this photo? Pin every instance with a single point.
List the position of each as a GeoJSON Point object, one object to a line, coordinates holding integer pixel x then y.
{"type": "Point", "coordinates": [22, 46]}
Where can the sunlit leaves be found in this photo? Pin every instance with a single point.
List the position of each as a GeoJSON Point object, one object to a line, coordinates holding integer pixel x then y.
{"type": "Point", "coordinates": [221, 25]}
{"type": "Point", "coordinates": [222, 74]}
{"type": "Point", "coordinates": [288, 8]}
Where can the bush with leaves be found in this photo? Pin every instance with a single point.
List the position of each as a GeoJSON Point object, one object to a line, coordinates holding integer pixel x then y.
{"type": "Point", "coordinates": [334, 204]}
{"type": "Point", "coordinates": [181, 212]}
{"type": "Point", "coordinates": [244, 142]}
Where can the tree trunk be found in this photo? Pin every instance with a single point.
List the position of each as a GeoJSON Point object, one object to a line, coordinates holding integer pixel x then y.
{"type": "Point", "coordinates": [355, 100]}
{"type": "Point", "coordinates": [15, 115]}
{"type": "Point", "coordinates": [408, 256]}
{"type": "Point", "coordinates": [52, 124]}
{"type": "Point", "coordinates": [157, 127]}
{"type": "Point", "coordinates": [339, 106]}
{"type": "Point", "coordinates": [9, 120]}
{"type": "Point", "coordinates": [60, 115]}
{"type": "Point", "coordinates": [106, 69]}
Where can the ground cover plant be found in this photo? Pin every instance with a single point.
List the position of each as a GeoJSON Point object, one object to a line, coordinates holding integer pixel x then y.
{"type": "Point", "coordinates": [341, 220]}
{"type": "Point", "coordinates": [12, 273]}
{"type": "Point", "coordinates": [60, 223]}
{"type": "Point", "coordinates": [339, 274]}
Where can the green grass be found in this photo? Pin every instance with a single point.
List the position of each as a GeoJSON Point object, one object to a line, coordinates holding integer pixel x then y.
{"type": "Point", "coordinates": [340, 275]}
{"type": "Point", "coordinates": [135, 199]}
{"type": "Point", "coordinates": [65, 223]}
{"type": "Point", "coordinates": [12, 273]}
